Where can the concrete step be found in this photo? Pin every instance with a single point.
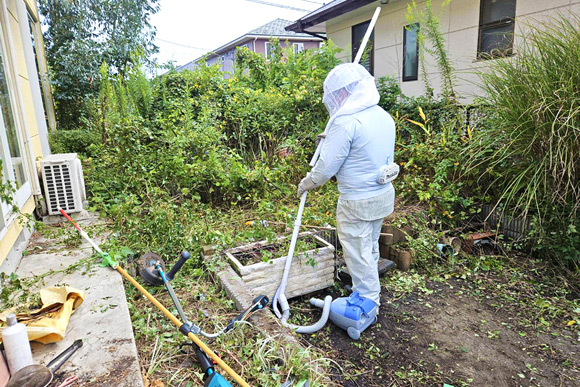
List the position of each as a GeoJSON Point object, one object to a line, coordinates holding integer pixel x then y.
{"type": "Point", "coordinates": [109, 355]}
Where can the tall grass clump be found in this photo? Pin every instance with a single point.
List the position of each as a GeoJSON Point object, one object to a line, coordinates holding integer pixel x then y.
{"type": "Point", "coordinates": [531, 150]}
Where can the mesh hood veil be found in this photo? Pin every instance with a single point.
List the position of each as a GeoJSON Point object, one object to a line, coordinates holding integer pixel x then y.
{"type": "Point", "coordinates": [349, 88]}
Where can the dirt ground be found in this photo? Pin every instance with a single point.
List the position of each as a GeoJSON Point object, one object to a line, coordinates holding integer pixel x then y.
{"type": "Point", "coordinates": [447, 333]}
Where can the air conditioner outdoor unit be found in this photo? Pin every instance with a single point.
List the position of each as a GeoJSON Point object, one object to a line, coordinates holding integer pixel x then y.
{"type": "Point", "coordinates": [64, 184]}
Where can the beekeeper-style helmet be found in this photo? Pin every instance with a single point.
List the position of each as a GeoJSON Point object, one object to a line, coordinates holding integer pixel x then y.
{"type": "Point", "coordinates": [349, 88]}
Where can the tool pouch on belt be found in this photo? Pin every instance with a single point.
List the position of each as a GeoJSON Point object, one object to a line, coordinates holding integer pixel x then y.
{"type": "Point", "coordinates": [388, 173]}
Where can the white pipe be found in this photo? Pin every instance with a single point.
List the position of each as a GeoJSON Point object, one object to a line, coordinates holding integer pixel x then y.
{"type": "Point", "coordinates": [308, 329]}
{"type": "Point", "coordinates": [279, 296]}
{"type": "Point", "coordinates": [367, 35]}
{"type": "Point", "coordinates": [359, 54]}
{"type": "Point", "coordinates": [282, 288]}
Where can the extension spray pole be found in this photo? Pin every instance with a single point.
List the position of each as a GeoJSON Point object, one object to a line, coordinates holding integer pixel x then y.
{"type": "Point", "coordinates": [109, 261]}
{"type": "Point", "coordinates": [279, 296]}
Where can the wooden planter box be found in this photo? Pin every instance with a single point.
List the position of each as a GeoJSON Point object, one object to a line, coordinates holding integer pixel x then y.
{"type": "Point", "coordinates": [311, 270]}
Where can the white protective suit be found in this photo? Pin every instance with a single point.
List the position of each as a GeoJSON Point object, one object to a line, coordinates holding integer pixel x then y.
{"type": "Point", "coordinates": [359, 141]}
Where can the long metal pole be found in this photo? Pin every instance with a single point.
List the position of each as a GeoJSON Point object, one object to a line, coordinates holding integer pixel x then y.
{"type": "Point", "coordinates": [359, 54]}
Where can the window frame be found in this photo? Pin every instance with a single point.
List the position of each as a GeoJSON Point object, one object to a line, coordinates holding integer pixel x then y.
{"type": "Point", "coordinates": [500, 23]}
{"type": "Point", "coordinates": [371, 68]}
{"type": "Point", "coordinates": [26, 190]}
{"type": "Point", "coordinates": [41, 68]}
{"type": "Point", "coordinates": [298, 45]}
{"type": "Point", "coordinates": [266, 49]}
{"type": "Point", "coordinates": [416, 70]}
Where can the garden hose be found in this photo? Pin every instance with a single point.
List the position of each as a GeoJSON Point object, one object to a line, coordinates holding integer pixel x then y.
{"type": "Point", "coordinates": [110, 261]}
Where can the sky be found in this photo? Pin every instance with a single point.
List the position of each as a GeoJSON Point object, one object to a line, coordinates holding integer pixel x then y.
{"type": "Point", "coordinates": [187, 29]}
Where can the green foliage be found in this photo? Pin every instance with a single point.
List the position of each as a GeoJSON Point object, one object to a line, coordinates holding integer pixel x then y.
{"type": "Point", "coordinates": [432, 42]}
{"type": "Point", "coordinates": [184, 150]}
{"type": "Point", "coordinates": [74, 141]}
{"type": "Point", "coordinates": [406, 109]}
{"type": "Point", "coordinates": [431, 136]}
{"type": "Point", "coordinates": [6, 187]}
{"type": "Point", "coordinates": [531, 149]}
{"type": "Point", "coordinates": [80, 35]}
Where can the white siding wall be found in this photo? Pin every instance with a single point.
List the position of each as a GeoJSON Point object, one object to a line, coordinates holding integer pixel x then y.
{"type": "Point", "coordinates": [460, 25]}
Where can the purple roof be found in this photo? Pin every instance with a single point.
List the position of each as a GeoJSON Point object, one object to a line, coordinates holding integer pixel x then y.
{"type": "Point", "coordinates": [275, 28]}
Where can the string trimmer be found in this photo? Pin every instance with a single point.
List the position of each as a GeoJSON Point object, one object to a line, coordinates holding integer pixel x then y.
{"type": "Point", "coordinates": [213, 378]}
{"type": "Point", "coordinates": [153, 273]}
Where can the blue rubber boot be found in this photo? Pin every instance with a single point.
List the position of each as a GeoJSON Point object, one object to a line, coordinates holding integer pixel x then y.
{"type": "Point", "coordinates": [353, 314]}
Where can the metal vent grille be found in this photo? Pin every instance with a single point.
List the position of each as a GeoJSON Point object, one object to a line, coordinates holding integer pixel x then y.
{"type": "Point", "coordinates": [59, 187]}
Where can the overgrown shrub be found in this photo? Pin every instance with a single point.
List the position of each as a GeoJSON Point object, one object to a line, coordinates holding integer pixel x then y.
{"type": "Point", "coordinates": [75, 141]}
{"type": "Point", "coordinates": [192, 144]}
{"type": "Point", "coordinates": [531, 150]}
{"type": "Point", "coordinates": [431, 135]}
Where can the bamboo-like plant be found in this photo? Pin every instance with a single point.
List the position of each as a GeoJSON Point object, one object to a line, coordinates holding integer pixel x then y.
{"type": "Point", "coordinates": [532, 146]}
{"type": "Point", "coordinates": [432, 42]}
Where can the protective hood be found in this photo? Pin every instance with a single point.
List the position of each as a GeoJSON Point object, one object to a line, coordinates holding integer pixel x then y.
{"type": "Point", "coordinates": [348, 89]}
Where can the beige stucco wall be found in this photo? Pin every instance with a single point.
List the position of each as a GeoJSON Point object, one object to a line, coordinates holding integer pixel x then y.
{"type": "Point", "coordinates": [27, 121]}
{"type": "Point", "coordinates": [459, 24]}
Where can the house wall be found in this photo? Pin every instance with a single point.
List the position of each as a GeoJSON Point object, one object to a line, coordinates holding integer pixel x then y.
{"type": "Point", "coordinates": [29, 120]}
{"type": "Point", "coordinates": [460, 26]}
{"type": "Point", "coordinates": [308, 44]}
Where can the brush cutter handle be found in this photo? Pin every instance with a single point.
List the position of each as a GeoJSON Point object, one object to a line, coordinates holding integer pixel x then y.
{"type": "Point", "coordinates": [178, 324]}
{"type": "Point", "coordinates": [182, 259]}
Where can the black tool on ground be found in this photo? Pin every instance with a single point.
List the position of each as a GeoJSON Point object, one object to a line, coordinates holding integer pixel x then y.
{"type": "Point", "coordinates": [153, 272]}
{"type": "Point", "coordinates": [37, 375]}
{"type": "Point", "coordinates": [211, 378]}
{"type": "Point", "coordinates": [151, 275]}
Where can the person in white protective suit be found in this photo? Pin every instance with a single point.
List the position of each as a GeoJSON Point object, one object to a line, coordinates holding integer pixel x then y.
{"type": "Point", "coordinates": [359, 150]}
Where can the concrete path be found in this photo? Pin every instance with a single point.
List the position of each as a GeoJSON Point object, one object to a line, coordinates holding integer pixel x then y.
{"type": "Point", "coordinates": [109, 355]}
